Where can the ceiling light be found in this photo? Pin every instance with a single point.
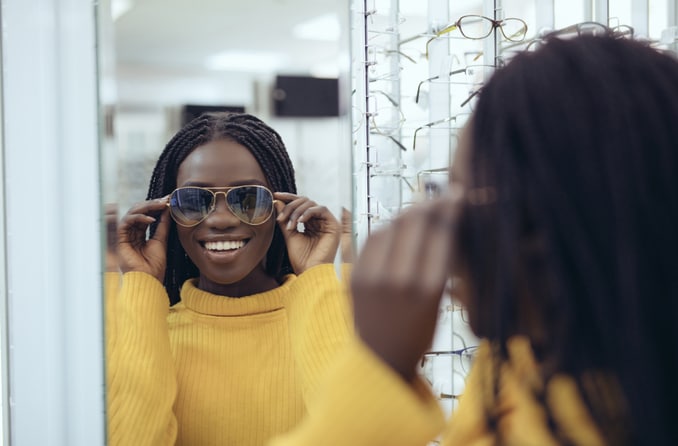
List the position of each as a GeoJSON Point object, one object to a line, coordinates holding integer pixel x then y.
{"type": "Point", "coordinates": [120, 7]}
{"type": "Point", "coordinates": [247, 61]}
{"type": "Point", "coordinates": [325, 27]}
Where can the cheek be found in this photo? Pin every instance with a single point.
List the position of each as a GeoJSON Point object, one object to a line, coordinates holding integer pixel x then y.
{"type": "Point", "coordinates": [184, 235]}
{"type": "Point", "coordinates": [265, 233]}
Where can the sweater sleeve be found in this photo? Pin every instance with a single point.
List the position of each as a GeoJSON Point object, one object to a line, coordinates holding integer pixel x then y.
{"type": "Point", "coordinates": [140, 367]}
{"type": "Point", "coordinates": [364, 403]}
{"type": "Point", "coordinates": [320, 323]}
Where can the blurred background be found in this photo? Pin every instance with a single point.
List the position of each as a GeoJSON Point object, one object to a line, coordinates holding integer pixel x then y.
{"type": "Point", "coordinates": [165, 61]}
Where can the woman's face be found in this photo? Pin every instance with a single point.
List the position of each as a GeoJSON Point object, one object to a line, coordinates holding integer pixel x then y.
{"type": "Point", "coordinates": [217, 164]}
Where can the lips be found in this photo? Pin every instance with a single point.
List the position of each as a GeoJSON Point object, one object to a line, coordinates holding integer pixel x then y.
{"type": "Point", "coordinates": [224, 245]}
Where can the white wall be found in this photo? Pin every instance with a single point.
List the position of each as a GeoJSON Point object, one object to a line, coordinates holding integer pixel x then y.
{"type": "Point", "coordinates": [52, 223]}
{"type": "Point", "coordinates": [146, 117]}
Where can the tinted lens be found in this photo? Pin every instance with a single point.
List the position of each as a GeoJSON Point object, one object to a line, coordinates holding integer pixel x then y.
{"type": "Point", "coordinates": [251, 204]}
{"type": "Point", "coordinates": [190, 205]}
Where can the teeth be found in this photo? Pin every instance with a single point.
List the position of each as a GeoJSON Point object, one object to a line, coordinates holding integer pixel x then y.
{"type": "Point", "coordinates": [224, 245]}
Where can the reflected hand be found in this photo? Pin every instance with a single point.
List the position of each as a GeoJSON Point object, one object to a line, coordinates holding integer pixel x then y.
{"type": "Point", "coordinates": [111, 237]}
{"type": "Point", "coordinates": [135, 253]}
{"type": "Point", "coordinates": [346, 236]}
{"type": "Point", "coordinates": [398, 281]}
{"type": "Point", "coordinates": [320, 240]}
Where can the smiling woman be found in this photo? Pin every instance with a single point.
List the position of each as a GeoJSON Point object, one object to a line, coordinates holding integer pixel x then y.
{"type": "Point", "coordinates": [258, 312]}
{"type": "Point", "coordinates": [226, 316]}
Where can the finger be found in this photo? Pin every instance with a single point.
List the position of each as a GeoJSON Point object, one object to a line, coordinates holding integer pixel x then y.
{"type": "Point", "coordinates": [435, 265]}
{"type": "Point", "coordinates": [162, 230]}
{"type": "Point", "coordinates": [319, 218]}
{"type": "Point", "coordinates": [151, 207]}
{"type": "Point", "coordinates": [298, 211]}
{"type": "Point", "coordinates": [285, 196]}
{"type": "Point", "coordinates": [132, 228]}
{"type": "Point", "coordinates": [372, 260]}
{"type": "Point", "coordinates": [290, 206]}
{"type": "Point", "coordinates": [293, 210]}
{"type": "Point", "coordinates": [346, 219]}
{"type": "Point", "coordinates": [408, 243]}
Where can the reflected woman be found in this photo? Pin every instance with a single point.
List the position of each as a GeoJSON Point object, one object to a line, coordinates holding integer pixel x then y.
{"type": "Point", "coordinates": [230, 310]}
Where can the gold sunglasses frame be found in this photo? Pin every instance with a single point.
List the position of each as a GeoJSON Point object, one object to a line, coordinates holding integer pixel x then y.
{"type": "Point", "coordinates": [215, 191]}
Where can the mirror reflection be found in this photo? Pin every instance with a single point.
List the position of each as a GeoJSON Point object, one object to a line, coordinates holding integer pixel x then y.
{"type": "Point", "coordinates": [231, 308]}
{"type": "Point", "coordinates": [227, 178]}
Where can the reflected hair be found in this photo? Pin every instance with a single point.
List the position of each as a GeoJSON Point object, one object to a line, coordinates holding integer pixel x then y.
{"type": "Point", "coordinates": [579, 140]}
{"type": "Point", "coordinates": [268, 149]}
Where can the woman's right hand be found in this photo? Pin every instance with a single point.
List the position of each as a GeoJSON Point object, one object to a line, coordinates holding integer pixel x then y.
{"type": "Point", "coordinates": [135, 253]}
{"type": "Point", "coordinates": [397, 283]}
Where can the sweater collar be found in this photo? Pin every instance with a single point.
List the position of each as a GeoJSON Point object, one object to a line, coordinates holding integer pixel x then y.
{"type": "Point", "coordinates": [215, 305]}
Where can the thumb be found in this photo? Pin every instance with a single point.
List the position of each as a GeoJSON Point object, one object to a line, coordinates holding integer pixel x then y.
{"type": "Point", "coordinates": [282, 222]}
{"type": "Point", "coordinates": [279, 206]}
{"type": "Point", "coordinates": [162, 230]}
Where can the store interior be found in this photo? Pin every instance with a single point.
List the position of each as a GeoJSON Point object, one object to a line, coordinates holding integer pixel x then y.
{"type": "Point", "coordinates": [406, 83]}
{"type": "Point", "coordinates": [403, 78]}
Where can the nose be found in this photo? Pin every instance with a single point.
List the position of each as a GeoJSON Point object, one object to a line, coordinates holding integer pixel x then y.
{"type": "Point", "coordinates": [221, 215]}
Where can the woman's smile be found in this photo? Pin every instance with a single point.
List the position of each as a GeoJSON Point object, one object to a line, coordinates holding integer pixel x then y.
{"type": "Point", "coordinates": [225, 250]}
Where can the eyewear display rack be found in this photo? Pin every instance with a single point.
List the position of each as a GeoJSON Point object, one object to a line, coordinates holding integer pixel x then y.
{"type": "Point", "coordinates": [412, 91]}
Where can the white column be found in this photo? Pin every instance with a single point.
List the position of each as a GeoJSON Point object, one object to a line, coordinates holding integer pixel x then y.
{"type": "Point", "coordinates": [53, 222]}
{"type": "Point", "coordinates": [601, 11]}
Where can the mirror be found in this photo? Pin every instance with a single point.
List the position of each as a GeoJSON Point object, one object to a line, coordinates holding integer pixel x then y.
{"type": "Point", "coordinates": [163, 61]}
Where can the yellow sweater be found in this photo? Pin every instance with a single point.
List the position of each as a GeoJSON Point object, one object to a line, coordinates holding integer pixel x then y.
{"type": "Point", "coordinates": [215, 370]}
{"type": "Point", "coordinates": [366, 404]}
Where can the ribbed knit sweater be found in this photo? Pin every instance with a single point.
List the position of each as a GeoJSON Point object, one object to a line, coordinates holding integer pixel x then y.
{"type": "Point", "coordinates": [215, 370]}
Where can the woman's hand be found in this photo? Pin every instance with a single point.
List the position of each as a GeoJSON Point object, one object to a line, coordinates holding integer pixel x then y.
{"type": "Point", "coordinates": [397, 283]}
{"type": "Point", "coordinates": [320, 239]}
{"type": "Point", "coordinates": [135, 253]}
{"type": "Point", "coordinates": [111, 237]}
{"type": "Point", "coordinates": [346, 242]}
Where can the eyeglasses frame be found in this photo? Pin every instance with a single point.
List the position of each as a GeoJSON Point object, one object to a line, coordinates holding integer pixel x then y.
{"type": "Point", "coordinates": [225, 190]}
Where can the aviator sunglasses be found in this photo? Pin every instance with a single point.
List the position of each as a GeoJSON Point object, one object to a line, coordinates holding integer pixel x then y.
{"type": "Point", "coordinates": [252, 204]}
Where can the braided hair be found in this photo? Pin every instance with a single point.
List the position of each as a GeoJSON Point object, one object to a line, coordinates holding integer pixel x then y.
{"type": "Point", "coordinates": [268, 149]}
{"type": "Point", "coordinates": [578, 139]}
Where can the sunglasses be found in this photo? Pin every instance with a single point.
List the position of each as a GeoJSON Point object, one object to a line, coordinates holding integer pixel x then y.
{"type": "Point", "coordinates": [252, 204]}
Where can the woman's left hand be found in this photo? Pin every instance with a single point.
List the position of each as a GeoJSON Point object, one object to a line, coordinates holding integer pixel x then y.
{"type": "Point", "coordinates": [319, 241]}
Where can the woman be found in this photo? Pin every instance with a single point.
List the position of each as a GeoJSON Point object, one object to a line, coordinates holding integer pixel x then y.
{"type": "Point", "coordinates": [560, 234]}
{"type": "Point", "coordinates": [230, 311]}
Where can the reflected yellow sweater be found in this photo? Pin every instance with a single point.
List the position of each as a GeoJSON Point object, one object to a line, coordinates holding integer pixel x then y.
{"type": "Point", "coordinates": [215, 370]}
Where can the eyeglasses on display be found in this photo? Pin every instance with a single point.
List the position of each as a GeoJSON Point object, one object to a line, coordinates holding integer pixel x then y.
{"type": "Point", "coordinates": [466, 355]}
{"type": "Point", "coordinates": [478, 27]}
{"type": "Point", "coordinates": [473, 75]}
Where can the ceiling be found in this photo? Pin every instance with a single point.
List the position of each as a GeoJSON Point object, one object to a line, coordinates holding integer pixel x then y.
{"type": "Point", "coordinates": [174, 34]}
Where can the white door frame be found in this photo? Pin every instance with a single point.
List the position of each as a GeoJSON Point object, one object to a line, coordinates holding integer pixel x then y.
{"type": "Point", "coordinates": [51, 259]}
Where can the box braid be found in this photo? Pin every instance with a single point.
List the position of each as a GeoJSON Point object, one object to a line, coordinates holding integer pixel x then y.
{"type": "Point", "coordinates": [268, 149]}
{"type": "Point", "coordinates": [579, 141]}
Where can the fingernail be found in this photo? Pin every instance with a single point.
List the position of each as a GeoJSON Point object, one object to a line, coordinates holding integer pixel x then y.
{"type": "Point", "coordinates": [290, 225]}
